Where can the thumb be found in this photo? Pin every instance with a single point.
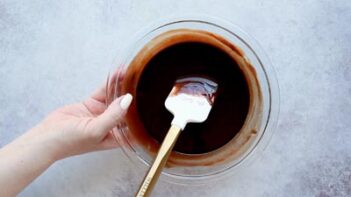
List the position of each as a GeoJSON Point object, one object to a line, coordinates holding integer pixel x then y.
{"type": "Point", "coordinates": [102, 124]}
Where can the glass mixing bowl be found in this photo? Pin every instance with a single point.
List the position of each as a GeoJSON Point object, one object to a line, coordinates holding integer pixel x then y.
{"type": "Point", "coordinates": [195, 172]}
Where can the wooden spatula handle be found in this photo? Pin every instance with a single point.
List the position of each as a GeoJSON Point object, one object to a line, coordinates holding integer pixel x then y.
{"type": "Point", "coordinates": [160, 161]}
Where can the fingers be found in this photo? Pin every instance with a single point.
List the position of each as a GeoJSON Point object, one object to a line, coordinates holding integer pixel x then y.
{"type": "Point", "coordinates": [101, 125]}
{"type": "Point", "coordinates": [109, 142]}
{"type": "Point", "coordinates": [100, 93]}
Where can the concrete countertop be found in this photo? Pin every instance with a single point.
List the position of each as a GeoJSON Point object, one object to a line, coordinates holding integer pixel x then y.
{"type": "Point", "coordinates": [56, 52]}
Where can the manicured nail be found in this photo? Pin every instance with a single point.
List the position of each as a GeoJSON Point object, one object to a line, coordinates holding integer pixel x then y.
{"type": "Point", "coordinates": [126, 101]}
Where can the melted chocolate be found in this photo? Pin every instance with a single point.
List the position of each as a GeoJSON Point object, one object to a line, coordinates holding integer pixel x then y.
{"type": "Point", "coordinates": [228, 113]}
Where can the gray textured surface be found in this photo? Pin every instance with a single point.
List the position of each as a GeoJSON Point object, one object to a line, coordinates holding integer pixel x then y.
{"type": "Point", "coordinates": [57, 52]}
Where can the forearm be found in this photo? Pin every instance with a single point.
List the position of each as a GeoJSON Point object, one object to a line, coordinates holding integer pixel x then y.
{"type": "Point", "coordinates": [22, 161]}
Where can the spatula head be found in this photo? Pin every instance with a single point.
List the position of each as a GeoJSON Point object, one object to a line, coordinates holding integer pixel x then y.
{"type": "Point", "coordinates": [191, 100]}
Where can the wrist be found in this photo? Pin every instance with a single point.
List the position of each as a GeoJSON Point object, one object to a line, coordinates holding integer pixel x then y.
{"type": "Point", "coordinates": [39, 143]}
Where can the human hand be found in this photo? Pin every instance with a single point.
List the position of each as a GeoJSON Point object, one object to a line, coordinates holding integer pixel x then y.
{"type": "Point", "coordinates": [81, 127]}
{"type": "Point", "coordinates": [70, 130]}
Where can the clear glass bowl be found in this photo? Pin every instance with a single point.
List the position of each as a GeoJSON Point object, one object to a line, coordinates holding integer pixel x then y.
{"type": "Point", "coordinates": [265, 77]}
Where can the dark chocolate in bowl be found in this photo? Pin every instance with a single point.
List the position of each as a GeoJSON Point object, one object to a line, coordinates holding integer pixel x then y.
{"type": "Point", "coordinates": [232, 124]}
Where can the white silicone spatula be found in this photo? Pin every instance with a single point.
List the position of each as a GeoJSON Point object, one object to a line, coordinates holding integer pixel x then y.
{"type": "Point", "coordinates": [190, 100]}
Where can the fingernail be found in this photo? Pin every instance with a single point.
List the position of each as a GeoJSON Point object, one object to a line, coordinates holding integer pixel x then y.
{"type": "Point", "coordinates": [126, 101]}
